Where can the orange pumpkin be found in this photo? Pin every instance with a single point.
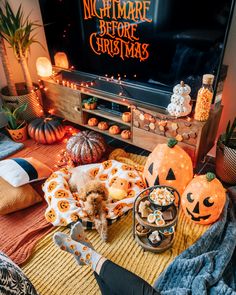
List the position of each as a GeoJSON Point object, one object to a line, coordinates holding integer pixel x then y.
{"type": "Point", "coordinates": [126, 134]}
{"type": "Point", "coordinates": [170, 165]}
{"type": "Point", "coordinates": [103, 125]}
{"type": "Point", "coordinates": [203, 199]}
{"type": "Point", "coordinates": [115, 129]}
{"type": "Point", "coordinates": [93, 122]}
{"type": "Point", "coordinates": [46, 130]}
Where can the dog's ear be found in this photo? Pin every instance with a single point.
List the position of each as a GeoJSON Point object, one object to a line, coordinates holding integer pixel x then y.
{"type": "Point", "coordinates": [83, 194]}
{"type": "Point", "coordinates": [105, 192]}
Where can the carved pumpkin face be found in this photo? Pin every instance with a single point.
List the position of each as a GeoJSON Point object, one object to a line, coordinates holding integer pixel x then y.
{"type": "Point", "coordinates": [204, 198]}
{"type": "Point", "coordinates": [170, 165]}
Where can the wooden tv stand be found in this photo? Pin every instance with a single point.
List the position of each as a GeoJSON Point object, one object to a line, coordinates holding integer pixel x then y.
{"type": "Point", "coordinates": [149, 125]}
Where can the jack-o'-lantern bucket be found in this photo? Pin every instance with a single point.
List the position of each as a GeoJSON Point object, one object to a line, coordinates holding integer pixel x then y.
{"type": "Point", "coordinates": [204, 199]}
{"type": "Point", "coordinates": [19, 135]}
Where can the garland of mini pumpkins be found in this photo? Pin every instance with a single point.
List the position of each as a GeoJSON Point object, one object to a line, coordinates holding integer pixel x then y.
{"type": "Point", "coordinates": [169, 165]}
{"type": "Point", "coordinates": [46, 130]}
{"type": "Point", "coordinates": [204, 199]}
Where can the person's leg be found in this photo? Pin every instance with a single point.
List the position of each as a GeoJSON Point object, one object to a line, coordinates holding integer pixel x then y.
{"type": "Point", "coordinates": [77, 233]}
{"type": "Point", "coordinates": [105, 290]}
{"type": "Point", "coordinates": [111, 275]}
{"type": "Point", "coordinates": [124, 282]}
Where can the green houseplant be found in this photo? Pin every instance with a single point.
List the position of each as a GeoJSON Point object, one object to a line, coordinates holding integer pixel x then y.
{"type": "Point", "coordinates": [90, 103]}
{"type": "Point", "coordinates": [7, 69]}
{"type": "Point", "coordinates": [226, 154]}
{"type": "Point", "coordinates": [18, 32]}
{"type": "Point", "coordinates": [17, 127]}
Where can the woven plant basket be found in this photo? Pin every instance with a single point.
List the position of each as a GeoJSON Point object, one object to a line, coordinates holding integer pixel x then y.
{"type": "Point", "coordinates": [33, 99]}
{"type": "Point", "coordinates": [226, 163]}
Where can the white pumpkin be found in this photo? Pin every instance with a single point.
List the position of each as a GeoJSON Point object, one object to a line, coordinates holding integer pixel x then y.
{"type": "Point", "coordinates": [182, 88]}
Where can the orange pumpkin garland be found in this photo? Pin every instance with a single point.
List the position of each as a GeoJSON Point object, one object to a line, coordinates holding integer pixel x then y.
{"type": "Point", "coordinates": [170, 165]}
{"type": "Point", "coordinates": [203, 199]}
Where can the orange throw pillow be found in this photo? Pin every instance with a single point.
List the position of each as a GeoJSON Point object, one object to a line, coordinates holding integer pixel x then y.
{"type": "Point", "coordinates": [16, 198]}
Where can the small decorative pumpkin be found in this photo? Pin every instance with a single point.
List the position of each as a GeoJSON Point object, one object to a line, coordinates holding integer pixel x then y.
{"type": "Point", "coordinates": [126, 117]}
{"type": "Point", "coordinates": [126, 134]}
{"type": "Point", "coordinates": [86, 147]}
{"type": "Point", "coordinates": [115, 129]}
{"type": "Point", "coordinates": [46, 130]}
{"type": "Point", "coordinates": [103, 125]}
{"type": "Point", "coordinates": [203, 199]}
{"type": "Point", "coordinates": [93, 122]}
{"type": "Point", "coordinates": [182, 89]}
{"type": "Point", "coordinates": [170, 165]}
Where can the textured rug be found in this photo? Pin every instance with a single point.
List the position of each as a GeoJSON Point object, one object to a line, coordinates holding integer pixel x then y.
{"type": "Point", "coordinates": [54, 272]}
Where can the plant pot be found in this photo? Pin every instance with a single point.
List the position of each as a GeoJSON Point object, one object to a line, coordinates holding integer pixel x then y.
{"type": "Point", "coordinates": [90, 106]}
{"type": "Point", "coordinates": [33, 100]}
{"type": "Point", "coordinates": [226, 163]}
{"type": "Point", "coordinates": [19, 135]}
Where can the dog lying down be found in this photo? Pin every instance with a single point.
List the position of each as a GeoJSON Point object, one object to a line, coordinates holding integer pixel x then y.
{"type": "Point", "coordinates": [94, 195]}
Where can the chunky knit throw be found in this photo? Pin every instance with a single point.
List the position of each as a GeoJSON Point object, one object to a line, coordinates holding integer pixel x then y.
{"type": "Point", "coordinates": [209, 265]}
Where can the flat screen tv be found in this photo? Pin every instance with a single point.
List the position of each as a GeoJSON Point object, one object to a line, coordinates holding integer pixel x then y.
{"type": "Point", "coordinates": [146, 42]}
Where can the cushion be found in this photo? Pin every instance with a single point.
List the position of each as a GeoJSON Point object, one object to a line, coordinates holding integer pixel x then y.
{"type": "Point", "coordinates": [65, 207]}
{"type": "Point", "coordinates": [12, 279]}
{"type": "Point", "coordinates": [16, 198]}
{"type": "Point", "coordinates": [19, 171]}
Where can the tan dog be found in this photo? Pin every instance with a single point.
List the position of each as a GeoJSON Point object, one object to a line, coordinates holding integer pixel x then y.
{"type": "Point", "coordinates": [78, 180]}
{"type": "Point", "coordinates": [95, 194]}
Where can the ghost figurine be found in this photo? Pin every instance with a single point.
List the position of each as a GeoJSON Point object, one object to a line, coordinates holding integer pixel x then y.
{"type": "Point", "coordinates": [180, 101]}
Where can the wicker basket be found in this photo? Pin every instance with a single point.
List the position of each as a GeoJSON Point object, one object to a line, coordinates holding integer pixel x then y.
{"type": "Point", "coordinates": [226, 163]}
{"type": "Point", "coordinates": [33, 99]}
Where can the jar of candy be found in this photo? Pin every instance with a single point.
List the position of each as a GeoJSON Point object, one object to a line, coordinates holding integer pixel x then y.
{"type": "Point", "coordinates": [204, 98]}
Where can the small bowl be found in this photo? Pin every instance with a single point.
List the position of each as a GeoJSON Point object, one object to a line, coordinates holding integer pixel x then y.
{"type": "Point", "coordinates": [157, 243]}
{"type": "Point", "coordinates": [155, 206]}
{"type": "Point", "coordinates": [142, 234]}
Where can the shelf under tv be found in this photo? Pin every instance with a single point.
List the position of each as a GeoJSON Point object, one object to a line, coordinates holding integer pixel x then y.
{"type": "Point", "coordinates": [104, 114]}
{"type": "Point", "coordinates": [67, 103]}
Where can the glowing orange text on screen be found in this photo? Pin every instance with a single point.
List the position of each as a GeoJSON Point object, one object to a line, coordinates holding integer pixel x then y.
{"type": "Point", "coordinates": [118, 24]}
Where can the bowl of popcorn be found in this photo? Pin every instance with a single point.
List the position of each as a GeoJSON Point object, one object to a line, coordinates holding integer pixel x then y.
{"type": "Point", "coordinates": [161, 198]}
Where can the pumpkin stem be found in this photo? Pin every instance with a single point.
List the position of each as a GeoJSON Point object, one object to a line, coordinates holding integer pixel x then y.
{"type": "Point", "coordinates": [172, 142]}
{"type": "Point", "coordinates": [182, 84]}
{"type": "Point", "coordinates": [210, 176]}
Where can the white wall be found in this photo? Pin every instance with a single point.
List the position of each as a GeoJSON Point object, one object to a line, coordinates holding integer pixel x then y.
{"type": "Point", "coordinates": [29, 6]}
{"type": "Point", "coordinates": [229, 94]}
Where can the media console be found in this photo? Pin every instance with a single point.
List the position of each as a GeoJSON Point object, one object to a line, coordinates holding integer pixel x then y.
{"type": "Point", "coordinates": [150, 124]}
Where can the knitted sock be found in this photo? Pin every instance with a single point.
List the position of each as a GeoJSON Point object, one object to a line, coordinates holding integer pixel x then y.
{"type": "Point", "coordinates": [77, 233]}
{"type": "Point", "coordinates": [84, 253]}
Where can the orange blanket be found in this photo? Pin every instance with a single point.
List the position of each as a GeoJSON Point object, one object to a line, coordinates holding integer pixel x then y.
{"type": "Point", "coordinates": [20, 231]}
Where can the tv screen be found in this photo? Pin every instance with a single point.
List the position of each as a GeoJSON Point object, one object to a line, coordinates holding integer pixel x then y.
{"type": "Point", "coordinates": [159, 42]}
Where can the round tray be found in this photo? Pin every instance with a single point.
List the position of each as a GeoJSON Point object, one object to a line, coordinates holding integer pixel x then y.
{"type": "Point", "coordinates": [165, 244]}
{"type": "Point", "coordinates": [143, 221]}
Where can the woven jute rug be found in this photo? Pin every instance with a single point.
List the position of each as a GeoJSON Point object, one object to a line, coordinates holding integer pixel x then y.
{"type": "Point", "coordinates": [54, 272]}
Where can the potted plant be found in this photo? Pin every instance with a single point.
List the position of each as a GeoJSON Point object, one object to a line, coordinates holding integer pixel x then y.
{"type": "Point", "coordinates": [226, 154]}
{"type": "Point", "coordinates": [7, 69]}
{"type": "Point", "coordinates": [17, 30]}
{"type": "Point", "coordinates": [90, 103]}
{"type": "Point", "coordinates": [17, 128]}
